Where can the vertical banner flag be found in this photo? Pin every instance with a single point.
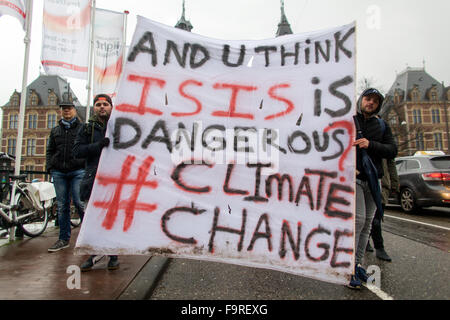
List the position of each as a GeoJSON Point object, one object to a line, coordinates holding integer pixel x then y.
{"type": "Point", "coordinates": [231, 151]}
{"type": "Point", "coordinates": [65, 38]}
{"type": "Point", "coordinates": [15, 8]}
{"type": "Point", "coordinates": [108, 50]}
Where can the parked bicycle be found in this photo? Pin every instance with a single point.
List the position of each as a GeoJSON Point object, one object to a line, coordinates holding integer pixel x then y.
{"type": "Point", "coordinates": [25, 205]}
{"type": "Point", "coordinates": [23, 211]}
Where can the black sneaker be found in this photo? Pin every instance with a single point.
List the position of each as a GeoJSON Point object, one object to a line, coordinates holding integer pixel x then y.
{"type": "Point", "coordinates": [369, 247]}
{"type": "Point", "coordinates": [355, 283]}
{"type": "Point", "coordinates": [382, 255]}
{"type": "Point", "coordinates": [113, 263]}
{"type": "Point", "coordinates": [60, 244]}
{"type": "Point", "coordinates": [90, 262]}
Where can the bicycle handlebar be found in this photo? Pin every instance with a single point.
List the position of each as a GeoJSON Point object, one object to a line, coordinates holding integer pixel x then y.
{"type": "Point", "coordinates": [4, 155]}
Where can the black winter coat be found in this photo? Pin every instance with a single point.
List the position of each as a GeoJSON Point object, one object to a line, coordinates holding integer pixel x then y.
{"type": "Point", "coordinates": [380, 145]}
{"type": "Point", "coordinates": [59, 155]}
{"type": "Point", "coordinates": [87, 146]}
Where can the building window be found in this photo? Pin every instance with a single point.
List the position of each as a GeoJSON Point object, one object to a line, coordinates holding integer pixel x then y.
{"type": "Point", "coordinates": [15, 100]}
{"type": "Point", "coordinates": [435, 116]}
{"type": "Point", "coordinates": [393, 120]}
{"type": "Point", "coordinates": [417, 116]}
{"type": "Point", "coordinates": [31, 147]}
{"type": "Point", "coordinates": [433, 95]}
{"type": "Point", "coordinates": [12, 146]}
{"type": "Point", "coordinates": [34, 100]}
{"type": "Point", "coordinates": [52, 99]}
{"type": "Point", "coordinates": [30, 175]}
{"type": "Point", "coordinates": [13, 121]}
{"type": "Point", "coordinates": [438, 141]}
{"type": "Point", "coordinates": [415, 95]}
{"type": "Point", "coordinates": [51, 120]}
{"type": "Point", "coordinates": [420, 144]}
{"type": "Point", "coordinates": [32, 121]}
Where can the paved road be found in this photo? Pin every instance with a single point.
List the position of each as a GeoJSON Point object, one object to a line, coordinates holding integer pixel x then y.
{"type": "Point", "coordinates": [420, 270]}
{"type": "Point", "coordinates": [419, 245]}
{"type": "Point", "coordinates": [430, 226]}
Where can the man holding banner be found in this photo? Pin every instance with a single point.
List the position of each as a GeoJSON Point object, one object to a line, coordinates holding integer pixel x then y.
{"type": "Point", "coordinates": [89, 145]}
{"type": "Point", "coordinates": [375, 143]}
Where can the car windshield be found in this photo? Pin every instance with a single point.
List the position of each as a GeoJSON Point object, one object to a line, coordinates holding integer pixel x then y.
{"type": "Point", "coordinates": [441, 162]}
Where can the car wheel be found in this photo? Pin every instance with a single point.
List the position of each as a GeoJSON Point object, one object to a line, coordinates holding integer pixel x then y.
{"type": "Point", "coordinates": [407, 200]}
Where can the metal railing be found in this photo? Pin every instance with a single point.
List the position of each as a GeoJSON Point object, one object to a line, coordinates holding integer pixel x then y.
{"type": "Point", "coordinates": [31, 174]}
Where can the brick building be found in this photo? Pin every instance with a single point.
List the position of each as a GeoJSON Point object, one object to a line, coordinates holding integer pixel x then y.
{"type": "Point", "coordinates": [417, 110]}
{"type": "Point", "coordinates": [41, 115]}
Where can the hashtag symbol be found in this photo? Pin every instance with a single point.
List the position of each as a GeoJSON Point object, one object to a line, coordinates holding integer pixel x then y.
{"type": "Point", "coordinates": [131, 205]}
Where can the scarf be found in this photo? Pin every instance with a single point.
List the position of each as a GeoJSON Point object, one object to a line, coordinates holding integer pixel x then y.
{"type": "Point", "coordinates": [69, 123]}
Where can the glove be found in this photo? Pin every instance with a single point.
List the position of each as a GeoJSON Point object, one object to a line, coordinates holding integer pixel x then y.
{"type": "Point", "coordinates": [104, 142]}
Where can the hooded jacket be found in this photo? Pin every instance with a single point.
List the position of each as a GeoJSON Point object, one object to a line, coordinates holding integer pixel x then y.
{"type": "Point", "coordinates": [381, 144]}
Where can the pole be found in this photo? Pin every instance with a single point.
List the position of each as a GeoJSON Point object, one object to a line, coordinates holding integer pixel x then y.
{"type": "Point", "coordinates": [91, 62]}
{"type": "Point", "coordinates": [444, 98]}
{"type": "Point", "coordinates": [23, 101]}
{"type": "Point", "coordinates": [124, 50]}
{"type": "Point", "coordinates": [23, 96]}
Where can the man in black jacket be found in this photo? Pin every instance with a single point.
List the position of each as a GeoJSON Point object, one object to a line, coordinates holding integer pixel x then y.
{"type": "Point", "coordinates": [65, 170]}
{"type": "Point", "coordinates": [379, 143]}
{"type": "Point", "coordinates": [89, 145]}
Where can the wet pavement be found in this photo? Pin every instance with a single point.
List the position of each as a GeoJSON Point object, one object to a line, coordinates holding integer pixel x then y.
{"type": "Point", "coordinates": [29, 271]}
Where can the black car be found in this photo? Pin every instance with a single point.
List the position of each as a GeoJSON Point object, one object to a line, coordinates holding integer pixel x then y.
{"type": "Point", "coordinates": [424, 181]}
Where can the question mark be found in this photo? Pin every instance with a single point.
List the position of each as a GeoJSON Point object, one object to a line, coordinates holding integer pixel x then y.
{"type": "Point", "coordinates": [349, 127]}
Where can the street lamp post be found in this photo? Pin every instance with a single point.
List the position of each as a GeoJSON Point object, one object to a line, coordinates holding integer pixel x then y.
{"type": "Point", "coordinates": [444, 98]}
{"type": "Point", "coordinates": [405, 125]}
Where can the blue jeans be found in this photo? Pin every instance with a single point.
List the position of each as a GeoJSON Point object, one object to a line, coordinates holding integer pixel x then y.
{"type": "Point", "coordinates": [67, 186]}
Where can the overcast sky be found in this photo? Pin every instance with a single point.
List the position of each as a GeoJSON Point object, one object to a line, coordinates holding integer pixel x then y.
{"type": "Point", "coordinates": [391, 34]}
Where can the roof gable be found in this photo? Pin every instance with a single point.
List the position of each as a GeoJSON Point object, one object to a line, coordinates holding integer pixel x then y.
{"type": "Point", "coordinates": [412, 77]}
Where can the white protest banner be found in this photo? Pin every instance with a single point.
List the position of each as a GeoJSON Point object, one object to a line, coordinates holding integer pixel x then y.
{"type": "Point", "coordinates": [231, 151]}
{"type": "Point", "coordinates": [108, 50]}
{"type": "Point", "coordinates": [65, 38]}
{"type": "Point", "coordinates": [15, 8]}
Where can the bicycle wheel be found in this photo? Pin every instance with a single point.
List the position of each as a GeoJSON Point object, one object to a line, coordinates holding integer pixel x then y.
{"type": "Point", "coordinates": [32, 221]}
{"type": "Point", "coordinates": [75, 219]}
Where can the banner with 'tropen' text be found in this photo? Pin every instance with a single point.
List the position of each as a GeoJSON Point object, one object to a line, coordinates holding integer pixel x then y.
{"type": "Point", "coordinates": [231, 151]}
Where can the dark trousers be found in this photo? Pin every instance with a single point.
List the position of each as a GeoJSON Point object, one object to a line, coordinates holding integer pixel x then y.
{"type": "Point", "coordinates": [376, 233]}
